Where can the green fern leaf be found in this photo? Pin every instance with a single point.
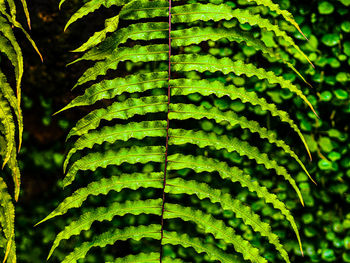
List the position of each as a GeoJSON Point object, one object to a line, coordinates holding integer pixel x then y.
{"type": "Point", "coordinates": [204, 164]}
{"type": "Point", "coordinates": [140, 31]}
{"type": "Point", "coordinates": [197, 244]}
{"type": "Point", "coordinates": [111, 25]}
{"type": "Point", "coordinates": [9, 51]}
{"type": "Point", "coordinates": [180, 186]}
{"type": "Point", "coordinates": [104, 186]}
{"type": "Point", "coordinates": [9, 128]}
{"type": "Point", "coordinates": [194, 12]}
{"type": "Point", "coordinates": [186, 111]}
{"type": "Point", "coordinates": [26, 12]}
{"type": "Point", "coordinates": [131, 155]}
{"type": "Point", "coordinates": [110, 237]}
{"type": "Point", "coordinates": [90, 7]}
{"type": "Point", "coordinates": [9, 110]}
{"type": "Point", "coordinates": [123, 110]}
{"type": "Point", "coordinates": [215, 227]}
{"type": "Point", "coordinates": [136, 10]}
{"type": "Point", "coordinates": [137, 130]}
{"type": "Point", "coordinates": [107, 89]}
{"type": "Point", "coordinates": [107, 213]}
{"type": "Point", "coordinates": [274, 7]}
{"type": "Point", "coordinates": [201, 139]}
{"type": "Point", "coordinates": [226, 65]}
{"type": "Point", "coordinates": [12, 164]}
{"type": "Point", "coordinates": [136, 54]}
{"type": "Point", "coordinates": [9, 95]}
{"type": "Point", "coordinates": [7, 212]}
{"type": "Point", "coordinates": [6, 30]}
{"type": "Point", "coordinates": [205, 87]}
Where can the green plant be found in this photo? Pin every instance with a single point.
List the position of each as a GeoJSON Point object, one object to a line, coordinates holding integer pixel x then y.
{"type": "Point", "coordinates": [156, 102]}
{"type": "Point", "coordinates": [9, 104]}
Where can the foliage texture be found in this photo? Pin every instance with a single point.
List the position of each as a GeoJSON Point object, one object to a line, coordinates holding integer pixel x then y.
{"type": "Point", "coordinates": [146, 134]}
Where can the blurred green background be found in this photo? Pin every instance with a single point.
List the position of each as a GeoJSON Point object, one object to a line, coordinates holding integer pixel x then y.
{"type": "Point", "coordinates": [324, 222]}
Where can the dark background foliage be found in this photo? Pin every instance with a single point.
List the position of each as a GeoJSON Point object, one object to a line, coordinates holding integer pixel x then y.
{"type": "Point", "coordinates": [324, 221]}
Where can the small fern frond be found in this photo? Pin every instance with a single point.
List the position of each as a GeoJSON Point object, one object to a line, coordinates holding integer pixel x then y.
{"type": "Point", "coordinates": [150, 133]}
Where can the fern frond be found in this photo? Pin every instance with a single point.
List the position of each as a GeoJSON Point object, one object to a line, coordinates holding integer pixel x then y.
{"type": "Point", "coordinates": [10, 110]}
{"type": "Point", "coordinates": [130, 131]}
{"type": "Point", "coordinates": [135, 10]}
